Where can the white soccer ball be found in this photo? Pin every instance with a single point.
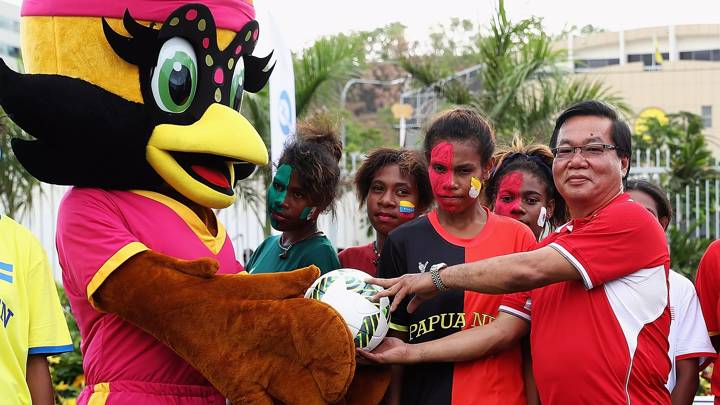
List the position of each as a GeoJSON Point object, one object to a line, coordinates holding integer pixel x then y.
{"type": "Point", "coordinates": [347, 292]}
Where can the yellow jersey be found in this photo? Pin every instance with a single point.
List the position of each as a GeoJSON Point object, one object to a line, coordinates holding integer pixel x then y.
{"type": "Point", "coordinates": [31, 318]}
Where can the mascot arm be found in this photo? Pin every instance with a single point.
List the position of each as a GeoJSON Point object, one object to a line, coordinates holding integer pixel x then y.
{"type": "Point", "coordinates": [251, 349]}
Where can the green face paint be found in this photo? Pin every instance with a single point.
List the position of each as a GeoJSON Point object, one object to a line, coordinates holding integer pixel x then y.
{"type": "Point", "coordinates": [307, 212]}
{"type": "Point", "coordinates": [278, 189]}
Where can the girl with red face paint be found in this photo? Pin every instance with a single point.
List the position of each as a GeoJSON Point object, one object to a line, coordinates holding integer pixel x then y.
{"type": "Point", "coordinates": [459, 145]}
{"type": "Point", "coordinates": [393, 185]}
{"type": "Point", "coordinates": [522, 188]}
{"type": "Point", "coordinates": [305, 184]}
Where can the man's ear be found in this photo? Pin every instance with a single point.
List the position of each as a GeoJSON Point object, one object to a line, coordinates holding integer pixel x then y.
{"type": "Point", "coordinates": [624, 165]}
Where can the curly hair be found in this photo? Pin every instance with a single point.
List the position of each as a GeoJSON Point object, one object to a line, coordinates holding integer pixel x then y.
{"type": "Point", "coordinates": [410, 162]}
{"type": "Point", "coordinates": [533, 159]}
{"type": "Point", "coordinates": [315, 156]}
{"type": "Point", "coordinates": [462, 124]}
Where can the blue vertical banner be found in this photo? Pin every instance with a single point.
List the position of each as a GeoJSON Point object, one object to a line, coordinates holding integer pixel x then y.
{"type": "Point", "coordinates": [282, 82]}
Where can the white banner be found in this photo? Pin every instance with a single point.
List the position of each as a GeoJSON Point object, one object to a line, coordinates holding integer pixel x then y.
{"type": "Point", "coordinates": [282, 82]}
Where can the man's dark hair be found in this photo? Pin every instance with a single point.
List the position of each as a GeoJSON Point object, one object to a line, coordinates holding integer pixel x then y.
{"type": "Point", "coordinates": [462, 124]}
{"type": "Point", "coordinates": [620, 134]}
{"type": "Point", "coordinates": [662, 203]}
{"type": "Point", "coordinates": [410, 162]}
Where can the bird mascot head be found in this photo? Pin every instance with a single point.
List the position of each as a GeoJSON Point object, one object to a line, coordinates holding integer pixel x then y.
{"type": "Point", "coordinates": [138, 98]}
{"type": "Point", "coordinates": [138, 95]}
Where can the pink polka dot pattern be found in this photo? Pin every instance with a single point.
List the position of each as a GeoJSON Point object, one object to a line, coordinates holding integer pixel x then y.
{"type": "Point", "coordinates": [255, 35]}
{"type": "Point", "coordinates": [206, 42]}
{"type": "Point", "coordinates": [219, 77]}
{"type": "Point", "coordinates": [191, 14]}
{"type": "Point", "coordinates": [238, 50]}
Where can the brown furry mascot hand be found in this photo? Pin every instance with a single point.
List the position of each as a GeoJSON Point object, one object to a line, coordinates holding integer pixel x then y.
{"type": "Point", "coordinates": [304, 355]}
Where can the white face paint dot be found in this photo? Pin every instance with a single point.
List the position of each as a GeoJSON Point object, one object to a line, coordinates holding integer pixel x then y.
{"type": "Point", "coordinates": [177, 66]}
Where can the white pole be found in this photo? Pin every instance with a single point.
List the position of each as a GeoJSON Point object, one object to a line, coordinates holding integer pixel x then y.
{"type": "Point", "coordinates": [402, 132]}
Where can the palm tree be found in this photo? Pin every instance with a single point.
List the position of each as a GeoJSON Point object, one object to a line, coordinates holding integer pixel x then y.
{"type": "Point", "coordinates": [522, 83]}
{"type": "Point", "coordinates": [16, 184]}
{"type": "Point", "coordinates": [320, 72]}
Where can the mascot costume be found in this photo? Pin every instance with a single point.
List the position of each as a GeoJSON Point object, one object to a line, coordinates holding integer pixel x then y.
{"type": "Point", "coordinates": [135, 103]}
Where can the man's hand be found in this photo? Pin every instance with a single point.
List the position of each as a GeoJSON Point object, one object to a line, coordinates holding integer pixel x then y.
{"type": "Point", "coordinates": [420, 285]}
{"type": "Point", "coordinates": [391, 351]}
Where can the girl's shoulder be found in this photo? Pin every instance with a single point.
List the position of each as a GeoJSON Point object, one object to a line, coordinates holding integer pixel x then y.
{"type": "Point", "coordinates": [411, 229]}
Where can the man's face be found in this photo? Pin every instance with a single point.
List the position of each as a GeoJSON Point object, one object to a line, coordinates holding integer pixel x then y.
{"type": "Point", "coordinates": [587, 182]}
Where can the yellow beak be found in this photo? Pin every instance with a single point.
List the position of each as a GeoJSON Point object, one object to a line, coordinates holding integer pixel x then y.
{"type": "Point", "coordinates": [221, 132]}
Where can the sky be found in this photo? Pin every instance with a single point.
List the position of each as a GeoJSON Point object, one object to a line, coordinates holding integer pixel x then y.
{"type": "Point", "coordinates": [301, 22]}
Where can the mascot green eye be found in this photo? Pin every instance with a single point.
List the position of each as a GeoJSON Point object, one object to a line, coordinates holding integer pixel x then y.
{"type": "Point", "coordinates": [236, 89]}
{"type": "Point", "coordinates": [174, 79]}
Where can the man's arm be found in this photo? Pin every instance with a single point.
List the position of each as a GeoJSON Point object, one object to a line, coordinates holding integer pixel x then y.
{"type": "Point", "coordinates": [38, 380]}
{"type": "Point", "coordinates": [511, 273]}
{"type": "Point", "coordinates": [496, 275]}
{"type": "Point", "coordinates": [686, 381]}
{"type": "Point", "coordinates": [465, 345]}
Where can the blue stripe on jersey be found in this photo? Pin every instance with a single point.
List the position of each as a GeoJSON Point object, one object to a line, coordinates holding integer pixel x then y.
{"type": "Point", "coordinates": [6, 267]}
{"type": "Point", "coordinates": [5, 277]}
{"type": "Point", "coordinates": [50, 349]}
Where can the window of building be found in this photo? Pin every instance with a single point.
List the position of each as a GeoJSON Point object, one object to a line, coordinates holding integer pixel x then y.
{"type": "Point", "coordinates": [9, 24]}
{"type": "Point", "coordinates": [595, 63]}
{"type": "Point", "coordinates": [646, 58]}
{"type": "Point", "coordinates": [707, 54]}
{"type": "Point", "coordinates": [9, 50]}
{"type": "Point", "coordinates": [706, 115]}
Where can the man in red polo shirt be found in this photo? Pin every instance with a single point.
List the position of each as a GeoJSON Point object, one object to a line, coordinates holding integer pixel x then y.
{"type": "Point", "coordinates": [595, 290]}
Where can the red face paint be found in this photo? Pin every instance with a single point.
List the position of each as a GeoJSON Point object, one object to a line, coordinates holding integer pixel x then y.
{"type": "Point", "coordinates": [440, 173]}
{"type": "Point", "coordinates": [507, 202]}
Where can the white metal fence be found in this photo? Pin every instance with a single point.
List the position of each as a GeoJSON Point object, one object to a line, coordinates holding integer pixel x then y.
{"type": "Point", "coordinates": [697, 207]}
{"type": "Point", "coordinates": [244, 228]}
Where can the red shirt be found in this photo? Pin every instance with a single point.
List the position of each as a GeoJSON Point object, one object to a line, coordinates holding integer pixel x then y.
{"type": "Point", "coordinates": [603, 339]}
{"type": "Point", "coordinates": [359, 258]}
{"type": "Point", "coordinates": [707, 284]}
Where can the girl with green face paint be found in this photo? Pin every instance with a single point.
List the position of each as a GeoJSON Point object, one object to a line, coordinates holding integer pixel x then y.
{"type": "Point", "coordinates": [287, 201]}
{"type": "Point", "coordinates": [304, 185]}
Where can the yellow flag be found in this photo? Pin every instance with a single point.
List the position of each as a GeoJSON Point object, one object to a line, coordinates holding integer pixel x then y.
{"type": "Point", "coordinates": [658, 55]}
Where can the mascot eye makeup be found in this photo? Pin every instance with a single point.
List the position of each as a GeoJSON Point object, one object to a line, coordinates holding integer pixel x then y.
{"type": "Point", "coordinates": [182, 69]}
{"type": "Point", "coordinates": [174, 79]}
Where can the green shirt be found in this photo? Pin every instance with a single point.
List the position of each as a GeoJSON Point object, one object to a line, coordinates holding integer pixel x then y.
{"type": "Point", "coordinates": [316, 250]}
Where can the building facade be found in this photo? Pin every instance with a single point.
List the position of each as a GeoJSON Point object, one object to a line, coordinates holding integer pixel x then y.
{"type": "Point", "coordinates": [667, 69]}
{"type": "Point", "coordinates": [10, 34]}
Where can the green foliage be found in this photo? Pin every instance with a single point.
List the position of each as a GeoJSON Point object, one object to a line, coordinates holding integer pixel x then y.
{"type": "Point", "coordinates": [686, 251]}
{"type": "Point", "coordinates": [522, 83]}
{"type": "Point", "coordinates": [690, 156]}
{"type": "Point", "coordinates": [16, 184]}
{"type": "Point", "coordinates": [452, 47]}
{"type": "Point", "coordinates": [322, 69]}
{"type": "Point", "coordinates": [690, 161]}
{"type": "Point", "coordinates": [66, 369]}
{"type": "Point", "coordinates": [360, 138]}
{"type": "Point", "coordinates": [320, 72]}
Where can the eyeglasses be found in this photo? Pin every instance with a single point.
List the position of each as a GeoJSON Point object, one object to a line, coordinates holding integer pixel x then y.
{"type": "Point", "coordinates": [590, 150]}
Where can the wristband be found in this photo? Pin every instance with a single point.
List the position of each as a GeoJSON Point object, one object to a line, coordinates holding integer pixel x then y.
{"type": "Point", "coordinates": [435, 274]}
